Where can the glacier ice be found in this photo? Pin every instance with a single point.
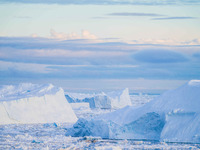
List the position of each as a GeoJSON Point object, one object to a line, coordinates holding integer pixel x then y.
{"type": "Point", "coordinates": [32, 103]}
{"type": "Point", "coordinates": [173, 116]}
{"type": "Point", "coordinates": [109, 100]}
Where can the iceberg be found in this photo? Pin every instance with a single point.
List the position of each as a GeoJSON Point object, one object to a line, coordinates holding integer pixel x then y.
{"type": "Point", "coordinates": [78, 97]}
{"type": "Point", "coordinates": [173, 116]}
{"type": "Point", "coordinates": [32, 103]}
{"type": "Point", "coordinates": [109, 100]}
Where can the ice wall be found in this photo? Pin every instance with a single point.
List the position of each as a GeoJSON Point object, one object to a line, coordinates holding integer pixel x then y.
{"type": "Point", "coordinates": [31, 103]}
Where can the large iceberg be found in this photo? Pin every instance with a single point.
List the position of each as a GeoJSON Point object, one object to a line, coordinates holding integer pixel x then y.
{"type": "Point", "coordinates": [31, 103]}
{"type": "Point", "coordinates": [109, 100]}
{"type": "Point", "coordinates": [174, 117]}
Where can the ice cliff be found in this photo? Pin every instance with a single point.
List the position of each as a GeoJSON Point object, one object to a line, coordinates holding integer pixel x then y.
{"type": "Point", "coordinates": [174, 117]}
{"type": "Point", "coordinates": [109, 100]}
{"type": "Point", "coordinates": [31, 103]}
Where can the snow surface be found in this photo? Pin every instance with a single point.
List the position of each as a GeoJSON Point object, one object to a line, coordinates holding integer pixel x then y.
{"type": "Point", "coordinates": [174, 116]}
{"type": "Point", "coordinates": [109, 100]}
{"type": "Point", "coordinates": [32, 103]}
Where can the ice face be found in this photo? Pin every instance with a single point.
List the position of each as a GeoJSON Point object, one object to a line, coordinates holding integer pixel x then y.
{"type": "Point", "coordinates": [89, 128]}
{"type": "Point", "coordinates": [182, 127]}
{"type": "Point", "coordinates": [147, 127]}
{"type": "Point", "coordinates": [32, 103]}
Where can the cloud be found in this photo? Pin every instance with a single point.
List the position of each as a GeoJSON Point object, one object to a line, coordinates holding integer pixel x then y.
{"type": "Point", "coordinates": [159, 56]}
{"type": "Point", "coordinates": [92, 66]}
{"type": "Point", "coordinates": [69, 53]}
{"type": "Point", "coordinates": [72, 36]}
{"type": "Point", "coordinates": [135, 14]}
{"type": "Point", "coordinates": [158, 16]}
{"type": "Point", "coordinates": [107, 2]}
{"type": "Point", "coordinates": [27, 57]}
{"type": "Point", "coordinates": [193, 42]}
{"type": "Point", "coordinates": [59, 52]}
{"type": "Point", "coordinates": [156, 42]}
{"type": "Point", "coordinates": [34, 35]}
{"type": "Point", "coordinates": [174, 18]}
{"type": "Point", "coordinates": [30, 67]}
{"type": "Point", "coordinates": [74, 52]}
{"type": "Point", "coordinates": [60, 72]}
{"type": "Point", "coordinates": [63, 36]}
{"type": "Point", "coordinates": [36, 42]}
{"type": "Point", "coordinates": [61, 57]}
{"type": "Point", "coordinates": [87, 35]}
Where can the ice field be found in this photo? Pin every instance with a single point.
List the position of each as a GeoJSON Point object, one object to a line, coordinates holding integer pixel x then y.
{"type": "Point", "coordinates": [50, 136]}
{"type": "Point", "coordinates": [148, 121]}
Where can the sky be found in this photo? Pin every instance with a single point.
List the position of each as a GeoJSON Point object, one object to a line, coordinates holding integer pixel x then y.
{"type": "Point", "coordinates": [84, 45]}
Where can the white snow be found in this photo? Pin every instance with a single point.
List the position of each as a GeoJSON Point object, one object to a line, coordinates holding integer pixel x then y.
{"type": "Point", "coordinates": [174, 116]}
{"type": "Point", "coordinates": [109, 100]}
{"type": "Point", "coordinates": [33, 103]}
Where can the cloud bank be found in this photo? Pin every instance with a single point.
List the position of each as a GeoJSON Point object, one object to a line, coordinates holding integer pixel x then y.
{"type": "Point", "coordinates": [135, 14]}
{"type": "Point", "coordinates": [159, 56]}
{"type": "Point", "coordinates": [28, 57]}
{"type": "Point", "coordinates": [85, 34]}
{"type": "Point", "coordinates": [108, 2]}
{"type": "Point", "coordinates": [174, 18]}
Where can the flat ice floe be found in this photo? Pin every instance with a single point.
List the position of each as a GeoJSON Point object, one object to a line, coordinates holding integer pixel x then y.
{"type": "Point", "coordinates": [174, 117]}
{"type": "Point", "coordinates": [31, 103]}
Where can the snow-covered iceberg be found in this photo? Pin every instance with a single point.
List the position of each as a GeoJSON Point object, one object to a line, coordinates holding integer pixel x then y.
{"type": "Point", "coordinates": [174, 117]}
{"type": "Point", "coordinates": [109, 100]}
{"type": "Point", "coordinates": [32, 103]}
